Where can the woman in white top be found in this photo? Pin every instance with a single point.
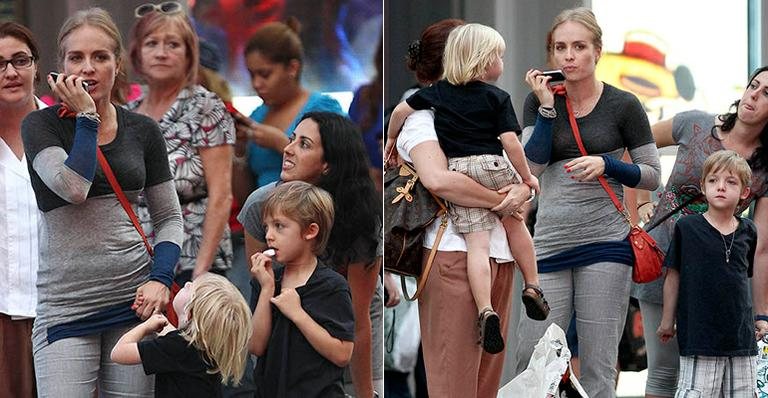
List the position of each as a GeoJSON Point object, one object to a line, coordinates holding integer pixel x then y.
{"type": "Point", "coordinates": [455, 364]}
{"type": "Point", "coordinates": [19, 217]}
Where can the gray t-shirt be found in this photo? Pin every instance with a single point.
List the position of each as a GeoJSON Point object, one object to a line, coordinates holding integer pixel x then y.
{"type": "Point", "coordinates": [91, 256]}
{"type": "Point", "coordinates": [573, 213]}
{"type": "Point", "coordinates": [692, 131]}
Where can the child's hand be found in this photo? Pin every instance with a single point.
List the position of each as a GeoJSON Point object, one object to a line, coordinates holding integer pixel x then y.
{"type": "Point", "coordinates": [666, 331]}
{"type": "Point", "coordinates": [155, 323]}
{"type": "Point", "coordinates": [261, 269]}
{"type": "Point", "coordinates": [532, 182]}
{"type": "Point", "coordinates": [288, 302]}
{"type": "Point", "coordinates": [761, 329]}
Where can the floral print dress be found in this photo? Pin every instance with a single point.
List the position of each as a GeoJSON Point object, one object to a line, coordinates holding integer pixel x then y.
{"type": "Point", "coordinates": [198, 119]}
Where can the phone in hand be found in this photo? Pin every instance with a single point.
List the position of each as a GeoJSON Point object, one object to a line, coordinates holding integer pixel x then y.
{"type": "Point", "coordinates": [556, 76]}
{"type": "Point", "coordinates": [55, 75]}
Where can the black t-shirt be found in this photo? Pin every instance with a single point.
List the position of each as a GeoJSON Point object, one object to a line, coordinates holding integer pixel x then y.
{"type": "Point", "coordinates": [179, 368]}
{"type": "Point", "coordinates": [291, 367]}
{"type": "Point", "coordinates": [714, 308]}
{"type": "Point", "coordinates": [468, 118]}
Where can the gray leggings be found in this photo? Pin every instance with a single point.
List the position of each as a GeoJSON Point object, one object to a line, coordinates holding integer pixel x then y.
{"type": "Point", "coordinates": [663, 358]}
{"type": "Point", "coordinates": [72, 367]}
{"type": "Point", "coordinates": [599, 296]}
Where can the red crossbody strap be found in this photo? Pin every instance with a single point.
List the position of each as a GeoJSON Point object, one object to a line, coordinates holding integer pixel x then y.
{"type": "Point", "coordinates": [121, 197]}
{"type": "Point", "coordinates": [580, 144]}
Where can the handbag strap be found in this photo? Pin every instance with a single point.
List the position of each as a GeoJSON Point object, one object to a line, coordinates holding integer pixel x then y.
{"type": "Point", "coordinates": [443, 214]}
{"type": "Point", "coordinates": [121, 197]}
{"type": "Point", "coordinates": [677, 208]}
{"type": "Point", "coordinates": [580, 144]}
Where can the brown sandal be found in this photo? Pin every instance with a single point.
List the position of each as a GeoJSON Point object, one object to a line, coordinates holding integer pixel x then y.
{"type": "Point", "coordinates": [536, 306]}
{"type": "Point", "coordinates": [490, 331]}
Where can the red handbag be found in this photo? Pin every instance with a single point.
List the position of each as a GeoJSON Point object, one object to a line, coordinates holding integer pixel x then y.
{"type": "Point", "coordinates": [648, 256]}
{"type": "Point", "coordinates": [169, 311]}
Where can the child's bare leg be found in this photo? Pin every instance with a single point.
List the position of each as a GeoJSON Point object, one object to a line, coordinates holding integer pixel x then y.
{"type": "Point", "coordinates": [479, 268]}
{"type": "Point", "coordinates": [521, 246]}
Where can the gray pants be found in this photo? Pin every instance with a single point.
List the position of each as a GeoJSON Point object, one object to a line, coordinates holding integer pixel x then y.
{"type": "Point", "coordinates": [599, 296]}
{"type": "Point", "coordinates": [73, 367]}
{"type": "Point", "coordinates": [663, 358]}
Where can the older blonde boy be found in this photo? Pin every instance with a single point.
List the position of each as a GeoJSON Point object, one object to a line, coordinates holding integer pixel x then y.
{"type": "Point", "coordinates": [706, 290]}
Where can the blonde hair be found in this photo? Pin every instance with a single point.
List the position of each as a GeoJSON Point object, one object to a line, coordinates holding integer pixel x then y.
{"type": "Point", "coordinates": [469, 51]}
{"type": "Point", "coordinates": [305, 204]}
{"type": "Point", "coordinates": [580, 15]}
{"type": "Point", "coordinates": [100, 19]}
{"type": "Point", "coordinates": [219, 325]}
{"type": "Point", "coordinates": [729, 161]}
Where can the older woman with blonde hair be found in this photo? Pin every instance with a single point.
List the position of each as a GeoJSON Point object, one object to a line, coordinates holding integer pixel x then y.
{"type": "Point", "coordinates": [93, 264]}
{"type": "Point", "coordinates": [198, 131]}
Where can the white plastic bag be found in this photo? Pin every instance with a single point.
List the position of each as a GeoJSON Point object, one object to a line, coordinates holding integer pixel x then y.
{"type": "Point", "coordinates": [541, 379]}
{"type": "Point", "coordinates": [401, 334]}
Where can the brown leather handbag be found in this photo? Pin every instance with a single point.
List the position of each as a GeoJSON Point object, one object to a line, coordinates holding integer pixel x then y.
{"type": "Point", "coordinates": [409, 208]}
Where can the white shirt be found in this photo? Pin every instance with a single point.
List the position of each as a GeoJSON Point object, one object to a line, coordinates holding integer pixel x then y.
{"type": "Point", "coordinates": [419, 127]}
{"type": "Point", "coordinates": [20, 221]}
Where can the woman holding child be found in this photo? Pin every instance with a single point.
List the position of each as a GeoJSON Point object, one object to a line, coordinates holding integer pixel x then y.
{"type": "Point", "coordinates": [698, 134]}
{"type": "Point", "coordinates": [584, 260]}
{"type": "Point", "coordinates": [456, 365]}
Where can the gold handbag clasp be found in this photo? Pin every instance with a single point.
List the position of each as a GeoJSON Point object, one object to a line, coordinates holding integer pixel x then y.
{"type": "Point", "coordinates": [405, 191]}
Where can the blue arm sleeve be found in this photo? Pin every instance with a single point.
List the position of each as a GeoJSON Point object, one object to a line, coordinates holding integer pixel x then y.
{"type": "Point", "coordinates": [626, 173]}
{"type": "Point", "coordinates": [166, 256]}
{"type": "Point", "coordinates": [538, 149]}
{"type": "Point", "coordinates": [82, 156]}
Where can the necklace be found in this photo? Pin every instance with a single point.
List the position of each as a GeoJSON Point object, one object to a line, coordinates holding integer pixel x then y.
{"type": "Point", "coordinates": [728, 247]}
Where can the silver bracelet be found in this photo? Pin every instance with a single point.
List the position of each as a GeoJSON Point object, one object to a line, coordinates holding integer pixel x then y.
{"type": "Point", "coordinates": [91, 116]}
{"type": "Point", "coordinates": [547, 112]}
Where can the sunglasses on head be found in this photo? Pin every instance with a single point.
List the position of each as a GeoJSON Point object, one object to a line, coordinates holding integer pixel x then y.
{"type": "Point", "coordinates": [168, 7]}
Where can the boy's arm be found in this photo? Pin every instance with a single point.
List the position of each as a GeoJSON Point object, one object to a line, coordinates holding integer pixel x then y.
{"type": "Point", "coordinates": [516, 155]}
{"type": "Point", "coordinates": [760, 266]}
{"type": "Point", "coordinates": [261, 322]}
{"type": "Point", "coordinates": [397, 119]}
{"type": "Point", "coordinates": [126, 351]}
{"type": "Point", "coordinates": [335, 350]}
{"type": "Point", "coordinates": [671, 290]}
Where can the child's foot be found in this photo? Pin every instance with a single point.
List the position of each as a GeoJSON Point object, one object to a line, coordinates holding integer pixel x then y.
{"type": "Point", "coordinates": [536, 306]}
{"type": "Point", "coordinates": [490, 331]}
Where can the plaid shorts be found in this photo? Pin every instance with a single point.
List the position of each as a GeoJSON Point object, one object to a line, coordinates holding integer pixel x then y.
{"type": "Point", "coordinates": [492, 172]}
{"type": "Point", "coordinates": [728, 377]}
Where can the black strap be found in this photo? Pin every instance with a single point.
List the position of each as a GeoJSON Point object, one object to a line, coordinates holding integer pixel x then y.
{"type": "Point", "coordinates": [679, 207]}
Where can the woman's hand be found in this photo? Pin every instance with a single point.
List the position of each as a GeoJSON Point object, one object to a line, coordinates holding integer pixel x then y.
{"type": "Point", "coordinates": [263, 135]}
{"type": "Point", "coordinates": [393, 293]}
{"type": "Point", "coordinates": [71, 92]}
{"type": "Point", "coordinates": [517, 195]}
{"type": "Point", "coordinates": [151, 298]}
{"type": "Point", "coordinates": [539, 84]}
{"type": "Point", "coordinates": [666, 331]}
{"type": "Point", "coordinates": [261, 269]}
{"type": "Point", "coordinates": [586, 168]}
{"type": "Point", "coordinates": [646, 210]}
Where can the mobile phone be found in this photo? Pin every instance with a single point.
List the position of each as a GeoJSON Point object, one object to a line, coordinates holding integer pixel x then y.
{"type": "Point", "coordinates": [555, 75]}
{"type": "Point", "coordinates": [55, 75]}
